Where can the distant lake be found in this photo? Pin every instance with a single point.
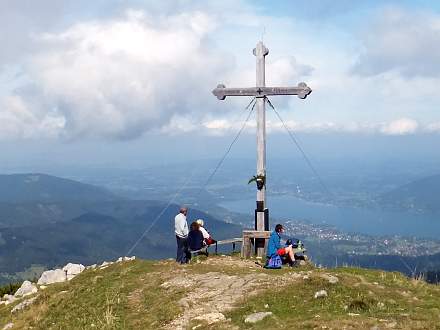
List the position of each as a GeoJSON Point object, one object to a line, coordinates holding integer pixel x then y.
{"type": "Point", "coordinates": [361, 220]}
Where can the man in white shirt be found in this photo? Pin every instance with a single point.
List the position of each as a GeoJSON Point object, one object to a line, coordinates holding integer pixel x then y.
{"type": "Point", "coordinates": [181, 231]}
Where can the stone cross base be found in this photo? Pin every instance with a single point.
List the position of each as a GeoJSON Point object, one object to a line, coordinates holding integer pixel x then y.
{"type": "Point", "coordinates": [254, 243]}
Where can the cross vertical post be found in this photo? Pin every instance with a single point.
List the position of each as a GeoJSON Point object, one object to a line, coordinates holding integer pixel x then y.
{"type": "Point", "coordinates": [260, 92]}
{"type": "Point", "coordinates": [261, 212]}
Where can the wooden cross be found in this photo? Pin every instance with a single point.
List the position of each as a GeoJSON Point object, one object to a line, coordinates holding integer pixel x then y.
{"type": "Point", "coordinates": [260, 92]}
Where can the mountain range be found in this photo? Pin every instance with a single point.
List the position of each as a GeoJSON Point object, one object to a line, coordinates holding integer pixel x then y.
{"type": "Point", "coordinates": [422, 195]}
{"type": "Point", "coordinates": [48, 221]}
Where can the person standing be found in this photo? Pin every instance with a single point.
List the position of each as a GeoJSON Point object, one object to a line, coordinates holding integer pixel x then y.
{"type": "Point", "coordinates": [181, 231]}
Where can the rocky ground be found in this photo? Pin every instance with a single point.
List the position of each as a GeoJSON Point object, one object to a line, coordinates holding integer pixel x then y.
{"type": "Point", "coordinates": [214, 293]}
{"type": "Point", "coordinates": [225, 292]}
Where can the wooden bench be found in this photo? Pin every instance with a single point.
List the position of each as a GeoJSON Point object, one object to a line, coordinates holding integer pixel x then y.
{"type": "Point", "coordinates": [254, 240]}
{"type": "Point", "coordinates": [232, 241]}
{"type": "Point", "coordinates": [202, 251]}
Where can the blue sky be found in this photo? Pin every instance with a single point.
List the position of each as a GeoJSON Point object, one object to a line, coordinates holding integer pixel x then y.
{"type": "Point", "coordinates": [76, 71]}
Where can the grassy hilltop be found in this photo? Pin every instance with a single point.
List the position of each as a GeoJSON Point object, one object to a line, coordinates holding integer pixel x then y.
{"type": "Point", "coordinates": [220, 292]}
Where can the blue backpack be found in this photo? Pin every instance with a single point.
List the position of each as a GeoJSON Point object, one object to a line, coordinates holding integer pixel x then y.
{"type": "Point", "coordinates": [274, 262]}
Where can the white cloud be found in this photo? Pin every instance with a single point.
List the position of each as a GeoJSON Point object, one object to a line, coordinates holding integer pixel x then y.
{"type": "Point", "coordinates": [17, 120]}
{"type": "Point", "coordinates": [401, 126]}
{"type": "Point", "coordinates": [152, 70]}
{"type": "Point", "coordinates": [227, 126]}
{"type": "Point", "coordinates": [400, 40]}
{"type": "Point", "coordinates": [119, 77]}
{"type": "Point", "coordinates": [433, 127]}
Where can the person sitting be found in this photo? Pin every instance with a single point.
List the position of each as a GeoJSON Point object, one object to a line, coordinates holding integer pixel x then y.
{"type": "Point", "coordinates": [195, 239]}
{"type": "Point", "coordinates": [206, 235]}
{"type": "Point", "coordinates": [274, 247]}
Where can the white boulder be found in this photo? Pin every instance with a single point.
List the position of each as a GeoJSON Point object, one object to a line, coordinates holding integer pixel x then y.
{"type": "Point", "coordinates": [257, 317]}
{"type": "Point", "coordinates": [105, 264]}
{"type": "Point", "coordinates": [9, 299]}
{"type": "Point", "coordinates": [72, 270]}
{"type": "Point", "coordinates": [23, 305]}
{"type": "Point", "coordinates": [321, 294]}
{"type": "Point", "coordinates": [8, 326]}
{"type": "Point", "coordinates": [211, 318]}
{"type": "Point", "coordinates": [330, 278]}
{"type": "Point", "coordinates": [26, 289]}
{"type": "Point", "coordinates": [52, 276]}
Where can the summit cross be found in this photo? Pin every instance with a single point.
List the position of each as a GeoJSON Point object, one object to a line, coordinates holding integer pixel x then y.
{"type": "Point", "coordinates": [260, 92]}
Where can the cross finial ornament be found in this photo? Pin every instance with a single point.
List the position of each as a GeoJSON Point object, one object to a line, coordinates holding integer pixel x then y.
{"type": "Point", "coordinates": [260, 92]}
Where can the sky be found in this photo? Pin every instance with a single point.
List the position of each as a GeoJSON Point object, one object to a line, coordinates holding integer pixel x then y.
{"type": "Point", "coordinates": [114, 75]}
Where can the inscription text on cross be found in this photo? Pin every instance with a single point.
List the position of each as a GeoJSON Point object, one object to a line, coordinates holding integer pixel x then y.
{"type": "Point", "coordinates": [260, 92]}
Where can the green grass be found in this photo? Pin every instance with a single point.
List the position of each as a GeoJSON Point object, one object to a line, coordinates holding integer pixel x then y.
{"type": "Point", "coordinates": [10, 288]}
{"type": "Point", "coordinates": [123, 296]}
{"type": "Point", "coordinates": [129, 296]}
{"type": "Point", "coordinates": [361, 299]}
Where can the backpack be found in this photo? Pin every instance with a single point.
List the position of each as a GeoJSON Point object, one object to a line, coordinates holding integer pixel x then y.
{"type": "Point", "coordinates": [274, 262]}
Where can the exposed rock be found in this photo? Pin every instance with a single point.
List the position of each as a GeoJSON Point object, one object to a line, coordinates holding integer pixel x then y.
{"type": "Point", "coordinates": [97, 278]}
{"type": "Point", "coordinates": [72, 270]}
{"type": "Point", "coordinates": [121, 259]}
{"type": "Point", "coordinates": [8, 326]}
{"type": "Point", "coordinates": [9, 299]}
{"type": "Point", "coordinates": [26, 289]}
{"type": "Point", "coordinates": [211, 318]}
{"type": "Point", "coordinates": [52, 276]}
{"type": "Point", "coordinates": [91, 266]}
{"type": "Point", "coordinates": [256, 317]}
{"type": "Point", "coordinates": [321, 294]}
{"type": "Point", "coordinates": [391, 325]}
{"type": "Point", "coordinates": [105, 264]}
{"type": "Point", "coordinates": [330, 278]}
{"type": "Point", "coordinates": [295, 275]}
{"type": "Point", "coordinates": [218, 291]}
{"type": "Point", "coordinates": [178, 282]}
{"type": "Point", "coordinates": [23, 304]}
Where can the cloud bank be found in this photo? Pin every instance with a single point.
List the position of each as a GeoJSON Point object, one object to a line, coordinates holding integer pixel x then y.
{"type": "Point", "coordinates": [403, 41]}
{"type": "Point", "coordinates": [70, 75]}
{"type": "Point", "coordinates": [115, 78]}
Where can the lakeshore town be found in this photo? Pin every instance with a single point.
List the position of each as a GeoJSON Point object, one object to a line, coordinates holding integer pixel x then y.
{"type": "Point", "coordinates": [360, 244]}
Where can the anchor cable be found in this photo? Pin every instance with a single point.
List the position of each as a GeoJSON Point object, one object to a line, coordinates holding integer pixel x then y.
{"type": "Point", "coordinates": [228, 150]}
{"type": "Point", "coordinates": [303, 153]}
{"type": "Point", "coordinates": [188, 180]}
{"type": "Point", "coordinates": [171, 201]}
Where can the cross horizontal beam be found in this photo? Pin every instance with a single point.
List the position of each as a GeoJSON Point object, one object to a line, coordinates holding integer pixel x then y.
{"type": "Point", "coordinates": [302, 90]}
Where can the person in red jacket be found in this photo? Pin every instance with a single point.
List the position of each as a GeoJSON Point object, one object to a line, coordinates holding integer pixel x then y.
{"type": "Point", "coordinates": [206, 235]}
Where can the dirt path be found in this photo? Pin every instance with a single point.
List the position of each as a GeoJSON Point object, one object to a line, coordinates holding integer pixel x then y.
{"type": "Point", "coordinates": [215, 292]}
